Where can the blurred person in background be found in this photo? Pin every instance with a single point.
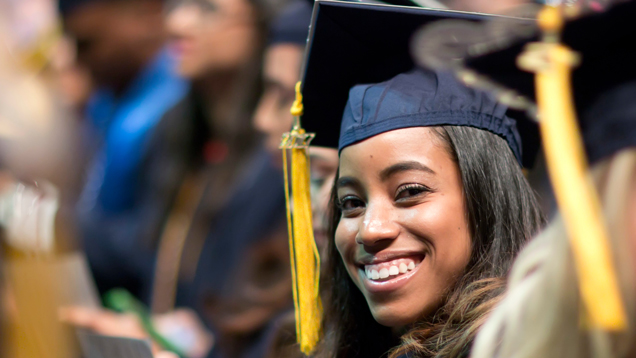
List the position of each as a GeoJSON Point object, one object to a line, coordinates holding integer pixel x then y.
{"type": "Point", "coordinates": [39, 271]}
{"type": "Point", "coordinates": [137, 138]}
{"type": "Point", "coordinates": [235, 264]}
{"type": "Point", "coordinates": [223, 252]}
{"type": "Point", "coordinates": [281, 71]}
{"type": "Point", "coordinates": [551, 306]}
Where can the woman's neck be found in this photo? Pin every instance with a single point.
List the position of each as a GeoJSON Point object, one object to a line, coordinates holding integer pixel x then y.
{"type": "Point", "coordinates": [398, 331]}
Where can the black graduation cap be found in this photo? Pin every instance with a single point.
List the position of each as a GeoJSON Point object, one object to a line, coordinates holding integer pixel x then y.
{"type": "Point", "coordinates": [360, 43]}
{"type": "Point", "coordinates": [65, 7]}
{"type": "Point", "coordinates": [602, 84]}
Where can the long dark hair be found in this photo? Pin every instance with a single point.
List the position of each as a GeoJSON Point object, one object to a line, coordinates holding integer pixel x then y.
{"type": "Point", "coordinates": [502, 212]}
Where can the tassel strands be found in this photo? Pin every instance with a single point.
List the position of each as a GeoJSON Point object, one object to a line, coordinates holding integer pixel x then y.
{"type": "Point", "coordinates": [304, 256]}
{"type": "Point", "coordinates": [574, 190]}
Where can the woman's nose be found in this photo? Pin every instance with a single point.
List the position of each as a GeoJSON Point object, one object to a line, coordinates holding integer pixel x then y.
{"type": "Point", "coordinates": [378, 226]}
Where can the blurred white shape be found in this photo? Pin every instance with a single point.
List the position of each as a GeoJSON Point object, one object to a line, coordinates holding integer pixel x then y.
{"type": "Point", "coordinates": [35, 127]}
{"type": "Point", "coordinates": [28, 214]}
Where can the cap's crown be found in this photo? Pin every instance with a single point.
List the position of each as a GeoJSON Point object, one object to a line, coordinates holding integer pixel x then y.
{"type": "Point", "coordinates": [421, 98]}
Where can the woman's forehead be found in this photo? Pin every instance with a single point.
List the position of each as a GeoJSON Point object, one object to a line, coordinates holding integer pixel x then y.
{"type": "Point", "coordinates": [375, 154]}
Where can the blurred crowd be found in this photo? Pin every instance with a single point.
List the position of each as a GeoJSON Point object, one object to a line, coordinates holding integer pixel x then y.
{"type": "Point", "coordinates": [139, 148]}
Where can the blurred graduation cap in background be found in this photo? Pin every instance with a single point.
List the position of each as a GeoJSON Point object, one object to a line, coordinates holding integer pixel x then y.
{"type": "Point", "coordinates": [604, 44]}
{"type": "Point", "coordinates": [65, 7]}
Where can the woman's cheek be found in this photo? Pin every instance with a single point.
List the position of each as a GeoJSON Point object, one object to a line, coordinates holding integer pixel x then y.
{"type": "Point", "coordinates": [345, 237]}
{"type": "Point", "coordinates": [442, 223]}
{"type": "Point", "coordinates": [430, 220]}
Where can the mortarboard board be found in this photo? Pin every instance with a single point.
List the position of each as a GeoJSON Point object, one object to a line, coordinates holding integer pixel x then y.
{"type": "Point", "coordinates": [347, 47]}
{"type": "Point", "coordinates": [358, 53]}
{"type": "Point", "coordinates": [422, 98]}
{"type": "Point", "coordinates": [601, 89]}
{"type": "Point", "coordinates": [65, 7]}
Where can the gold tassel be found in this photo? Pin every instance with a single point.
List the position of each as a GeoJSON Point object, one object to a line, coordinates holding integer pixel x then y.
{"type": "Point", "coordinates": [304, 256]}
{"type": "Point", "coordinates": [574, 190]}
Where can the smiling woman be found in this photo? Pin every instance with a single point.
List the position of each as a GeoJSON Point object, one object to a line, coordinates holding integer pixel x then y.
{"type": "Point", "coordinates": [427, 218]}
{"type": "Point", "coordinates": [429, 206]}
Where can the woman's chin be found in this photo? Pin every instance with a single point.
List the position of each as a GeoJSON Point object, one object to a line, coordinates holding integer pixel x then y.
{"type": "Point", "coordinates": [393, 318]}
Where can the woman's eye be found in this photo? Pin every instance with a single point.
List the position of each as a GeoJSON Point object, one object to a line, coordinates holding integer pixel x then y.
{"type": "Point", "coordinates": [410, 190]}
{"type": "Point", "coordinates": [349, 203]}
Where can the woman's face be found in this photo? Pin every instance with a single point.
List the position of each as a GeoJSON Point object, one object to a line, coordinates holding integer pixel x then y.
{"type": "Point", "coordinates": [403, 235]}
{"type": "Point", "coordinates": [209, 36]}
{"type": "Point", "coordinates": [324, 165]}
{"type": "Point", "coordinates": [272, 117]}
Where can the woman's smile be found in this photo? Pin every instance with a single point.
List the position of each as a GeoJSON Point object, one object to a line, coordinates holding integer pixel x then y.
{"type": "Point", "coordinates": [388, 276]}
{"type": "Point", "coordinates": [389, 271]}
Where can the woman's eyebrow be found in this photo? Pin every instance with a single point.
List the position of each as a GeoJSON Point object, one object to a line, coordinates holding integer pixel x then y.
{"type": "Point", "coordinates": [386, 173]}
{"type": "Point", "coordinates": [347, 181]}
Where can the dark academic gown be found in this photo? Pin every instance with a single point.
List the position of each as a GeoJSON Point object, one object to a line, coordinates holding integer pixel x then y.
{"type": "Point", "coordinates": [142, 148]}
{"type": "Point", "coordinates": [243, 276]}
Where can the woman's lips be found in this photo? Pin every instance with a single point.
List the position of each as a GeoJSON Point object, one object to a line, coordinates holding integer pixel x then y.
{"type": "Point", "coordinates": [389, 275]}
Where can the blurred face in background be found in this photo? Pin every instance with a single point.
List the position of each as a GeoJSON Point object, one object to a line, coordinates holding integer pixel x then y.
{"type": "Point", "coordinates": [115, 39]}
{"type": "Point", "coordinates": [211, 36]}
{"type": "Point", "coordinates": [324, 166]}
{"type": "Point", "coordinates": [281, 71]}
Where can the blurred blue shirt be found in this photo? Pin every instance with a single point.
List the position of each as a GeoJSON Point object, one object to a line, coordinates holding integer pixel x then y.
{"type": "Point", "coordinates": [123, 124]}
{"type": "Point", "coordinates": [141, 154]}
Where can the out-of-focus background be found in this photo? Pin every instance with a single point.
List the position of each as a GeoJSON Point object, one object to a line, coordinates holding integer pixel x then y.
{"type": "Point", "coordinates": [139, 152]}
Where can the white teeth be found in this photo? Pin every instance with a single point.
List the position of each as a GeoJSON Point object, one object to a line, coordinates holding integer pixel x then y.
{"type": "Point", "coordinates": [384, 273]}
{"type": "Point", "coordinates": [393, 271]}
{"type": "Point", "coordinates": [385, 270]}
